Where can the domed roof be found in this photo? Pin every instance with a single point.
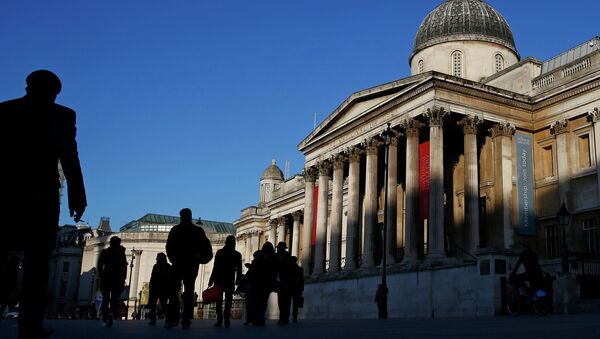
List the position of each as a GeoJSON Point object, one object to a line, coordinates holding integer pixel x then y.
{"type": "Point", "coordinates": [272, 172]}
{"type": "Point", "coordinates": [463, 20]}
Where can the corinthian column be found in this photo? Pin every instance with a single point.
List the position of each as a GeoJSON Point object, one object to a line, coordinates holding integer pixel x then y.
{"type": "Point", "coordinates": [392, 198]}
{"type": "Point", "coordinates": [411, 129]}
{"type": "Point", "coordinates": [435, 241]}
{"type": "Point", "coordinates": [296, 233]}
{"type": "Point", "coordinates": [594, 118]}
{"type": "Point", "coordinates": [309, 208]}
{"type": "Point", "coordinates": [371, 146]}
{"type": "Point", "coordinates": [354, 154]}
{"type": "Point", "coordinates": [273, 232]}
{"type": "Point", "coordinates": [336, 213]}
{"type": "Point", "coordinates": [503, 235]}
{"type": "Point", "coordinates": [280, 229]}
{"type": "Point", "coordinates": [322, 209]}
{"type": "Point", "coordinates": [469, 124]}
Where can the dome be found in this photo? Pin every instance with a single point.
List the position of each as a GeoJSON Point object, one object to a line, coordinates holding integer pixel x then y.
{"type": "Point", "coordinates": [463, 20]}
{"type": "Point", "coordinates": [272, 172]}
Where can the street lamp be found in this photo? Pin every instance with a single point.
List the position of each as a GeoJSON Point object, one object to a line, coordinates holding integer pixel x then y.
{"type": "Point", "coordinates": [564, 218]}
{"type": "Point", "coordinates": [129, 289]}
{"type": "Point", "coordinates": [382, 290]}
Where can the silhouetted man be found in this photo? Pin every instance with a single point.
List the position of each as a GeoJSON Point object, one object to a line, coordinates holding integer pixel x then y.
{"type": "Point", "coordinates": [296, 288]}
{"type": "Point", "coordinates": [187, 248]}
{"type": "Point", "coordinates": [533, 270]}
{"type": "Point", "coordinates": [228, 266]}
{"type": "Point", "coordinates": [159, 285]}
{"type": "Point", "coordinates": [284, 275]}
{"type": "Point", "coordinates": [35, 134]}
{"type": "Point", "coordinates": [112, 269]}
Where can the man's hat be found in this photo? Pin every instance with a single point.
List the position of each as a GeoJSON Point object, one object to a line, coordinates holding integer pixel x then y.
{"type": "Point", "coordinates": [281, 245]}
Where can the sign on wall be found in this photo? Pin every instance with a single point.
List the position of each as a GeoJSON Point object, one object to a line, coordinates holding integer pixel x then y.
{"type": "Point", "coordinates": [525, 191]}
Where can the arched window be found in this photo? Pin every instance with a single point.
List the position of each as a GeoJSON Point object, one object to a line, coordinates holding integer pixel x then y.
{"type": "Point", "coordinates": [499, 62]}
{"type": "Point", "coordinates": [457, 63]}
{"type": "Point", "coordinates": [421, 66]}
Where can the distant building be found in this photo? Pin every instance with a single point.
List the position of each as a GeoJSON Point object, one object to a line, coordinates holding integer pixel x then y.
{"type": "Point", "coordinates": [484, 148]}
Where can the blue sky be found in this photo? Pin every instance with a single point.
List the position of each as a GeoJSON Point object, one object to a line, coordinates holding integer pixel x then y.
{"type": "Point", "coordinates": [185, 103]}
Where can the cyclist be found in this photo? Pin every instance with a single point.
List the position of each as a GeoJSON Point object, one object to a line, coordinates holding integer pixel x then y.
{"type": "Point", "coordinates": [533, 271]}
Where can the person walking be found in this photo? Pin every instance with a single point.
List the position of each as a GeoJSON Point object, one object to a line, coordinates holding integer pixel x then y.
{"type": "Point", "coordinates": [266, 274]}
{"type": "Point", "coordinates": [227, 267]}
{"type": "Point", "coordinates": [159, 286]}
{"type": "Point", "coordinates": [296, 288]}
{"type": "Point", "coordinates": [35, 135]}
{"type": "Point", "coordinates": [187, 248]}
{"type": "Point", "coordinates": [284, 278]}
{"type": "Point", "coordinates": [112, 269]}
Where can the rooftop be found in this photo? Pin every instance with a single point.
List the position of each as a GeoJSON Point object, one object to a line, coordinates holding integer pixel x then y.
{"type": "Point", "coordinates": [163, 223]}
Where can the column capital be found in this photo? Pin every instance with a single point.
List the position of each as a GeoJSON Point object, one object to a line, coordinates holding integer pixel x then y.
{"type": "Point", "coordinates": [559, 127]}
{"type": "Point", "coordinates": [281, 220]}
{"type": "Point", "coordinates": [371, 145]}
{"type": "Point", "coordinates": [395, 137]}
{"type": "Point", "coordinates": [504, 129]}
{"type": "Point", "coordinates": [297, 215]}
{"type": "Point", "coordinates": [354, 153]}
{"type": "Point", "coordinates": [273, 223]}
{"type": "Point", "coordinates": [310, 174]}
{"type": "Point", "coordinates": [470, 124]}
{"type": "Point", "coordinates": [435, 116]}
{"type": "Point", "coordinates": [324, 168]}
{"type": "Point", "coordinates": [412, 127]}
{"type": "Point", "coordinates": [338, 160]}
{"type": "Point", "coordinates": [594, 115]}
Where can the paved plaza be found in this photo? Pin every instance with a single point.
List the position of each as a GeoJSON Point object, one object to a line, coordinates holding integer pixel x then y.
{"type": "Point", "coordinates": [572, 326]}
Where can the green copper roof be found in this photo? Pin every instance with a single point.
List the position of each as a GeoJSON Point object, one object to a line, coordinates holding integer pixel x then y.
{"type": "Point", "coordinates": [209, 226]}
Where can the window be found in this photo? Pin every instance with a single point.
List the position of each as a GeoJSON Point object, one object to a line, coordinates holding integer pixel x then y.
{"type": "Point", "coordinates": [457, 64]}
{"type": "Point", "coordinates": [421, 66]}
{"type": "Point", "coordinates": [552, 242]}
{"type": "Point", "coordinates": [583, 145]}
{"type": "Point", "coordinates": [591, 235]}
{"type": "Point", "coordinates": [499, 62]}
{"type": "Point", "coordinates": [547, 162]}
{"type": "Point", "coordinates": [65, 267]}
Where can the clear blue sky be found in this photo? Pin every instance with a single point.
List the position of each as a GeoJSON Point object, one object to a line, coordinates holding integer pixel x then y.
{"type": "Point", "coordinates": [185, 103]}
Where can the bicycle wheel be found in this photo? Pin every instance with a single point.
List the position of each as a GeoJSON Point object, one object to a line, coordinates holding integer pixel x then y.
{"type": "Point", "coordinates": [513, 302]}
{"type": "Point", "coordinates": [541, 306]}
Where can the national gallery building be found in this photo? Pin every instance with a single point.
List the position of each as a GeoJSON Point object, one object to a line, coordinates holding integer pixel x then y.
{"type": "Point", "coordinates": [483, 148]}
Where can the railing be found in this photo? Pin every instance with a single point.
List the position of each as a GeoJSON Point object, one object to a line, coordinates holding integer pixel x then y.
{"type": "Point", "coordinates": [584, 264]}
{"type": "Point", "coordinates": [543, 82]}
{"type": "Point", "coordinates": [577, 67]}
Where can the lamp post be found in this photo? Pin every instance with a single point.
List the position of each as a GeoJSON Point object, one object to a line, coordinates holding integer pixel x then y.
{"type": "Point", "coordinates": [129, 288]}
{"type": "Point", "coordinates": [382, 290]}
{"type": "Point", "coordinates": [564, 218]}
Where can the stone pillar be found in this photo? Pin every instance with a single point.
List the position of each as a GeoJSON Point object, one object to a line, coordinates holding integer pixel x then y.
{"type": "Point", "coordinates": [354, 154]}
{"type": "Point", "coordinates": [254, 243]}
{"type": "Point", "coordinates": [594, 118]}
{"type": "Point", "coordinates": [248, 250]}
{"type": "Point", "coordinates": [411, 129]}
{"type": "Point", "coordinates": [469, 124]}
{"type": "Point", "coordinates": [435, 241]}
{"type": "Point", "coordinates": [309, 207]}
{"type": "Point", "coordinates": [392, 199]}
{"type": "Point", "coordinates": [503, 235]}
{"type": "Point", "coordinates": [296, 233]}
{"type": "Point", "coordinates": [371, 146]}
{"type": "Point", "coordinates": [336, 213]}
{"type": "Point", "coordinates": [559, 130]}
{"type": "Point", "coordinates": [273, 232]}
{"type": "Point", "coordinates": [280, 230]}
{"type": "Point", "coordinates": [322, 210]}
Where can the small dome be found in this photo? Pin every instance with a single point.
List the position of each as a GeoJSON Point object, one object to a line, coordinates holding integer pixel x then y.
{"type": "Point", "coordinates": [272, 172]}
{"type": "Point", "coordinates": [463, 20]}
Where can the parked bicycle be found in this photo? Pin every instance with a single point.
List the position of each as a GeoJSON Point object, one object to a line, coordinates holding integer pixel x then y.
{"type": "Point", "coordinates": [521, 297]}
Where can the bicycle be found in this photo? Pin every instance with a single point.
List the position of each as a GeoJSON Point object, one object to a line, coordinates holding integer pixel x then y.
{"type": "Point", "coordinates": [519, 298]}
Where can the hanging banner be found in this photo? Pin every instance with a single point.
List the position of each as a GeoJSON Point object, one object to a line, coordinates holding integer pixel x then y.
{"type": "Point", "coordinates": [525, 184]}
{"type": "Point", "coordinates": [424, 181]}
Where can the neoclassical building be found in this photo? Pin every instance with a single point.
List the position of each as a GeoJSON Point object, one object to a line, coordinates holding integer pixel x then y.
{"type": "Point", "coordinates": [484, 147]}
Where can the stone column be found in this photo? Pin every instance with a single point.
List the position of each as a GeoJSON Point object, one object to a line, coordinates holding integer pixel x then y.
{"type": "Point", "coordinates": [594, 118]}
{"type": "Point", "coordinates": [280, 230]}
{"type": "Point", "coordinates": [371, 146]}
{"type": "Point", "coordinates": [469, 124]}
{"type": "Point", "coordinates": [336, 213]}
{"type": "Point", "coordinates": [392, 199]}
{"type": "Point", "coordinates": [322, 210]}
{"type": "Point", "coordinates": [435, 241]}
{"type": "Point", "coordinates": [254, 243]}
{"type": "Point", "coordinates": [354, 154]}
{"type": "Point", "coordinates": [411, 129]}
{"type": "Point", "coordinates": [296, 233]}
{"type": "Point", "coordinates": [559, 130]}
{"type": "Point", "coordinates": [273, 232]}
{"type": "Point", "coordinates": [309, 207]}
{"type": "Point", "coordinates": [248, 250]}
{"type": "Point", "coordinates": [503, 235]}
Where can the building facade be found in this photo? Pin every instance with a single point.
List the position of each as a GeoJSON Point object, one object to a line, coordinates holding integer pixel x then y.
{"type": "Point", "coordinates": [484, 148]}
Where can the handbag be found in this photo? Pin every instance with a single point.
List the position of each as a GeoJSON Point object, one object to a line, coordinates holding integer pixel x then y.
{"type": "Point", "coordinates": [212, 294]}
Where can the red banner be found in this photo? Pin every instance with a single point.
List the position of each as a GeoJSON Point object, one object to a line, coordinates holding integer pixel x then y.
{"type": "Point", "coordinates": [424, 181]}
{"type": "Point", "coordinates": [313, 239]}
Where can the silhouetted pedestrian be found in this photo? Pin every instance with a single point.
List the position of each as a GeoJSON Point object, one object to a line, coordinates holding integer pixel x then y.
{"type": "Point", "coordinates": [187, 248]}
{"type": "Point", "coordinates": [266, 272]}
{"type": "Point", "coordinates": [284, 277]}
{"type": "Point", "coordinates": [227, 266]}
{"type": "Point", "coordinates": [251, 286]}
{"type": "Point", "coordinates": [297, 288]}
{"type": "Point", "coordinates": [35, 134]}
{"type": "Point", "coordinates": [159, 286]}
{"type": "Point", "coordinates": [112, 269]}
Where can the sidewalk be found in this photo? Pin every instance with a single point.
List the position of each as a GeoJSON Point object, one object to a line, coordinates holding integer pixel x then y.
{"type": "Point", "coordinates": [529, 326]}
